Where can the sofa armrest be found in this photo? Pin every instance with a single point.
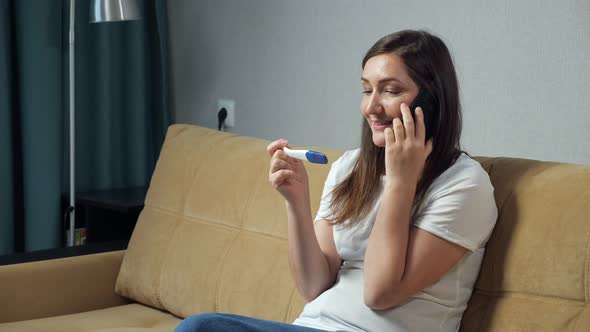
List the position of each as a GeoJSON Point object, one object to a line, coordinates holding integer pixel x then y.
{"type": "Point", "coordinates": [59, 286]}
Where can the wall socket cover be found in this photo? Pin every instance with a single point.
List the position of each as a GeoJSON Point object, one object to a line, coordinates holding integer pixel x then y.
{"type": "Point", "coordinates": [230, 108]}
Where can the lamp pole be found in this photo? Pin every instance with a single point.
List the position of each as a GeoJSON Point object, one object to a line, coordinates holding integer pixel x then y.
{"type": "Point", "coordinates": [72, 85]}
{"type": "Point", "coordinates": [100, 11]}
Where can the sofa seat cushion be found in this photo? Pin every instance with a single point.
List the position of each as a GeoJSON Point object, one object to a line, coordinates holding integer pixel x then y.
{"type": "Point", "coordinates": [125, 318]}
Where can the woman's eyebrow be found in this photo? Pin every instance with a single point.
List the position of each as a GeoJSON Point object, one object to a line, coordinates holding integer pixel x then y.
{"type": "Point", "coordinates": [383, 80]}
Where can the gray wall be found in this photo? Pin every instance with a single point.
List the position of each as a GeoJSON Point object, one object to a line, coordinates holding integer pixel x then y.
{"type": "Point", "coordinates": [293, 68]}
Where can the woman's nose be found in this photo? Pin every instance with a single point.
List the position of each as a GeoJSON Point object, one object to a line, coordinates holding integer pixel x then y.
{"type": "Point", "coordinates": [373, 105]}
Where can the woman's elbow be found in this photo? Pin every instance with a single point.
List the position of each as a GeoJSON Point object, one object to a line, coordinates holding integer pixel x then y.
{"type": "Point", "coordinates": [375, 303]}
{"type": "Point", "coordinates": [380, 300]}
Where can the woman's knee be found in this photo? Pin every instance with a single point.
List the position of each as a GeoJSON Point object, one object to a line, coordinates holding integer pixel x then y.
{"type": "Point", "coordinates": [201, 322]}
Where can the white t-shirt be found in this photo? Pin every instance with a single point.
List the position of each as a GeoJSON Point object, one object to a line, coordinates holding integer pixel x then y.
{"type": "Point", "coordinates": [459, 207]}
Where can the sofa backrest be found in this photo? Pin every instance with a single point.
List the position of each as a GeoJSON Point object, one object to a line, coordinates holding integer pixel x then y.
{"type": "Point", "coordinates": [535, 274]}
{"type": "Point", "coordinates": [213, 238]}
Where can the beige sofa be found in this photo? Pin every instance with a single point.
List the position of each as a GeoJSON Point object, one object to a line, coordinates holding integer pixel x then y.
{"type": "Point", "coordinates": [212, 238]}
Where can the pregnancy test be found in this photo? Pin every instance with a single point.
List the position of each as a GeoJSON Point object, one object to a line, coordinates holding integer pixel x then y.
{"type": "Point", "coordinates": [308, 155]}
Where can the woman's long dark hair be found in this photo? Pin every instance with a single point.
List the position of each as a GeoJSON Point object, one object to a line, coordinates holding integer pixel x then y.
{"type": "Point", "coordinates": [429, 64]}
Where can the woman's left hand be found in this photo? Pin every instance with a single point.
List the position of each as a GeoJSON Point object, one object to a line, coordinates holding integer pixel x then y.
{"type": "Point", "coordinates": [405, 151]}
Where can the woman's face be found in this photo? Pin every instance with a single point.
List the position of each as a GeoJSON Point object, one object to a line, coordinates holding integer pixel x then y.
{"type": "Point", "coordinates": [386, 85]}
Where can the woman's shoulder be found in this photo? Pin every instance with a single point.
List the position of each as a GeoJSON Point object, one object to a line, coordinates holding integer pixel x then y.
{"type": "Point", "coordinates": [465, 172]}
{"type": "Point", "coordinates": [462, 203]}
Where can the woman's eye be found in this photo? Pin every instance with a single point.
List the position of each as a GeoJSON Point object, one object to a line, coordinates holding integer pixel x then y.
{"type": "Point", "coordinates": [366, 92]}
{"type": "Point", "coordinates": [393, 92]}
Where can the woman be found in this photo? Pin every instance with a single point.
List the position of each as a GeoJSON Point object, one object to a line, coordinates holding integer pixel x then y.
{"type": "Point", "coordinates": [398, 240]}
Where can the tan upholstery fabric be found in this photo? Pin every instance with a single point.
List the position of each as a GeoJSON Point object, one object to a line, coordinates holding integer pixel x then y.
{"type": "Point", "coordinates": [536, 271]}
{"type": "Point", "coordinates": [212, 235]}
{"type": "Point", "coordinates": [126, 318]}
{"type": "Point", "coordinates": [37, 289]}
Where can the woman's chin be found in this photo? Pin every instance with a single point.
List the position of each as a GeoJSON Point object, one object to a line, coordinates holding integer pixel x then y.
{"type": "Point", "coordinates": [379, 139]}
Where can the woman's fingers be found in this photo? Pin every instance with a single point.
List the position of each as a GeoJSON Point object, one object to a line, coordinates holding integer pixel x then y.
{"type": "Point", "coordinates": [408, 120]}
{"type": "Point", "coordinates": [282, 155]}
{"type": "Point", "coordinates": [420, 127]}
{"type": "Point", "coordinates": [277, 178]}
{"type": "Point", "coordinates": [278, 164]}
{"type": "Point", "coordinates": [276, 145]}
{"type": "Point", "coordinates": [398, 130]}
{"type": "Point", "coordinates": [389, 139]}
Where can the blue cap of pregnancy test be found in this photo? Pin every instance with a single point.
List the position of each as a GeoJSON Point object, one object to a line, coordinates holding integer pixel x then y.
{"type": "Point", "coordinates": [316, 157]}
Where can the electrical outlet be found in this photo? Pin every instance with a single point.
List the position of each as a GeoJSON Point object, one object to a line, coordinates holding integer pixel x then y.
{"type": "Point", "coordinates": [230, 108]}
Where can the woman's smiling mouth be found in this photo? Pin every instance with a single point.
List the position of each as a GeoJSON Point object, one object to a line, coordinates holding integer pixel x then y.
{"type": "Point", "coordinates": [381, 125]}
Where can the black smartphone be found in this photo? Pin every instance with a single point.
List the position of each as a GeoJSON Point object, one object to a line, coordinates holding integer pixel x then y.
{"type": "Point", "coordinates": [426, 101]}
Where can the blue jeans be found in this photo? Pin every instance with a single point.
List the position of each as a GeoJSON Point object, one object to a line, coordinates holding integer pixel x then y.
{"type": "Point", "coordinates": [220, 322]}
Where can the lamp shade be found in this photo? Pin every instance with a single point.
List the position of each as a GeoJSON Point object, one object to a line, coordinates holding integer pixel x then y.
{"type": "Point", "coordinates": [114, 10]}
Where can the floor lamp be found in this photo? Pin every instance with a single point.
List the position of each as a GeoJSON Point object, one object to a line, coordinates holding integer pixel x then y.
{"type": "Point", "coordinates": [100, 11]}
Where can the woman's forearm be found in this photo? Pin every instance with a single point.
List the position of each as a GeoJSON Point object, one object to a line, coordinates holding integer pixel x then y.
{"type": "Point", "coordinates": [385, 258]}
{"type": "Point", "coordinates": [307, 262]}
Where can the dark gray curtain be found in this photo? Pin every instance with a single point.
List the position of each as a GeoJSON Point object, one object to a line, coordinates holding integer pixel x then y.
{"type": "Point", "coordinates": [121, 111]}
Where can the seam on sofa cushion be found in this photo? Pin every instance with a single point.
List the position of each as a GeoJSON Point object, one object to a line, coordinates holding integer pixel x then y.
{"type": "Point", "coordinates": [21, 324]}
{"type": "Point", "coordinates": [164, 259]}
{"type": "Point", "coordinates": [212, 222]}
{"type": "Point", "coordinates": [499, 234]}
{"type": "Point", "coordinates": [221, 266]}
{"type": "Point", "coordinates": [579, 318]}
{"type": "Point", "coordinates": [255, 191]}
{"type": "Point", "coordinates": [490, 169]}
{"type": "Point", "coordinates": [274, 236]}
{"type": "Point", "coordinates": [179, 216]}
{"type": "Point", "coordinates": [531, 297]}
{"type": "Point", "coordinates": [217, 223]}
{"type": "Point", "coordinates": [247, 205]}
{"type": "Point", "coordinates": [162, 210]}
{"type": "Point", "coordinates": [290, 304]}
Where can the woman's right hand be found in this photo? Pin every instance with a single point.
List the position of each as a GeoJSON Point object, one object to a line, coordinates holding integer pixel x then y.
{"type": "Point", "coordinates": [287, 175]}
